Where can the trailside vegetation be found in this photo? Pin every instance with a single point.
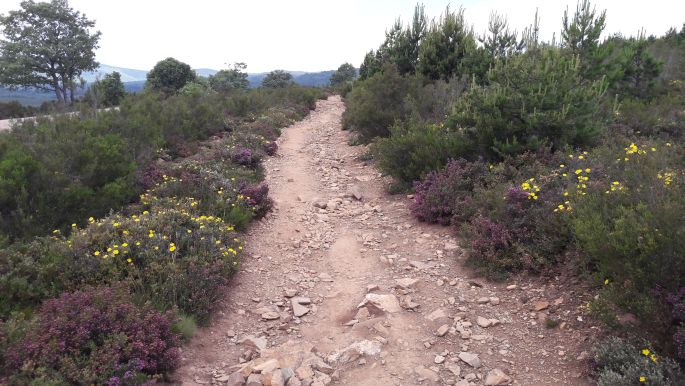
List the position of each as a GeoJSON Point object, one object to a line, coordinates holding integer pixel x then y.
{"type": "Point", "coordinates": [543, 156]}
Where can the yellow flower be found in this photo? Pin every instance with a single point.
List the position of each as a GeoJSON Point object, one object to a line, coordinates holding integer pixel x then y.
{"type": "Point", "coordinates": [606, 281]}
{"type": "Point", "coordinates": [172, 247]}
{"type": "Point", "coordinates": [115, 252]}
{"type": "Point", "coordinates": [96, 253]}
{"type": "Point", "coordinates": [137, 243]}
{"type": "Point", "coordinates": [578, 171]}
{"type": "Point", "coordinates": [129, 260]}
{"type": "Point", "coordinates": [73, 225]}
{"type": "Point", "coordinates": [643, 379]}
{"type": "Point", "coordinates": [124, 245]}
{"type": "Point", "coordinates": [645, 352]}
{"type": "Point", "coordinates": [652, 357]}
{"type": "Point", "coordinates": [91, 220]}
{"type": "Point", "coordinates": [587, 170]}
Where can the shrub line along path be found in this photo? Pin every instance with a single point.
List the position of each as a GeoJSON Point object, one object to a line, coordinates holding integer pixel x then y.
{"type": "Point", "coordinates": [337, 240]}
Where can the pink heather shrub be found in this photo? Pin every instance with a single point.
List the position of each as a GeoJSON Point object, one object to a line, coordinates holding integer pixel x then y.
{"type": "Point", "coordinates": [90, 336]}
{"type": "Point", "coordinates": [445, 193]}
{"type": "Point", "coordinates": [271, 148]}
{"type": "Point", "coordinates": [257, 197]}
{"type": "Point", "coordinates": [244, 156]}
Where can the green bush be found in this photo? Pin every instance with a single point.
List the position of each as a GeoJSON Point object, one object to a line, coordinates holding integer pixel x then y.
{"type": "Point", "coordinates": [376, 103]}
{"type": "Point", "coordinates": [415, 149]}
{"type": "Point", "coordinates": [531, 99]}
{"type": "Point", "coordinates": [620, 363]}
{"type": "Point", "coordinates": [630, 226]}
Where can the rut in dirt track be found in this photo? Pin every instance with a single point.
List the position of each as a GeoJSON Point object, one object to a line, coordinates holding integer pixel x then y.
{"type": "Point", "coordinates": [334, 239]}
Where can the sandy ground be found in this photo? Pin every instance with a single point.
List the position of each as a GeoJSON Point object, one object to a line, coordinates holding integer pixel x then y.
{"type": "Point", "coordinates": [427, 314]}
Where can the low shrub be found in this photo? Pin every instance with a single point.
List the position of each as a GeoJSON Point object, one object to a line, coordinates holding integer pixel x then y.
{"type": "Point", "coordinates": [442, 194]}
{"type": "Point", "coordinates": [415, 149]}
{"type": "Point", "coordinates": [95, 336]}
{"type": "Point", "coordinates": [620, 363]}
{"type": "Point", "coordinates": [32, 272]}
{"type": "Point", "coordinates": [376, 103]}
{"type": "Point", "coordinates": [676, 301]}
{"type": "Point", "coordinates": [168, 255]}
{"type": "Point", "coordinates": [629, 226]}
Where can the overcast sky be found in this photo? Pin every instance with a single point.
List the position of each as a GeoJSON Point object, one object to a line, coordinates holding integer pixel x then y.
{"type": "Point", "coordinates": [310, 35]}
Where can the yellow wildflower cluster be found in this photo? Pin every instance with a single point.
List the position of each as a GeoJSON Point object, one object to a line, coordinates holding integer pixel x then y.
{"type": "Point", "coordinates": [649, 354]}
{"type": "Point", "coordinates": [531, 188]}
{"type": "Point", "coordinates": [615, 187]}
{"type": "Point", "coordinates": [667, 177]}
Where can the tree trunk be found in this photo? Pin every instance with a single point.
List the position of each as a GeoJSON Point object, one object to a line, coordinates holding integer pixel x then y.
{"type": "Point", "coordinates": [58, 90]}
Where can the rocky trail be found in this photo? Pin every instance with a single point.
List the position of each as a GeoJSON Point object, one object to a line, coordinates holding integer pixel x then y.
{"type": "Point", "coordinates": [341, 285]}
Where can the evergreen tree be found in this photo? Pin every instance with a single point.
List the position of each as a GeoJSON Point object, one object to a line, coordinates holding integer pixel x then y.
{"type": "Point", "coordinates": [446, 45]}
{"type": "Point", "coordinates": [580, 37]}
{"type": "Point", "coordinates": [106, 92]}
{"type": "Point", "coordinates": [640, 69]}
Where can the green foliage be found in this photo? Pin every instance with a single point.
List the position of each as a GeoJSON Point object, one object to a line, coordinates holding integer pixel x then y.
{"type": "Point", "coordinates": [47, 45]}
{"type": "Point", "coordinates": [531, 99]}
{"type": "Point", "coordinates": [621, 363]}
{"type": "Point", "coordinates": [500, 42]}
{"type": "Point", "coordinates": [169, 76]}
{"type": "Point", "coordinates": [370, 66]}
{"type": "Point", "coordinates": [375, 104]}
{"type": "Point", "coordinates": [343, 75]}
{"type": "Point", "coordinates": [580, 37]}
{"type": "Point", "coordinates": [640, 70]}
{"type": "Point", "coordinates": [415, 149]}
{"type": "Point", "coordinates": [185, 326]}
{"type": "Point", "coordinates": [630, 227]}
{"type": "Point", "coordinates": [277, 79]}
{"type": "Point", "coordinates": [447, 46]}
{"type": "Point", "coordinates": [14, 109]}
{"type": "Point", "coordinates": [106, 92]}
{"type": "Point", "coordinates": [231, 79]}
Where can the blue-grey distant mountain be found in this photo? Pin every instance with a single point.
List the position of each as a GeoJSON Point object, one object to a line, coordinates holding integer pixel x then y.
{"type": "Point", "coordinates": [134, 81]}
{"type": "Point", "coordinates": [127, 74]}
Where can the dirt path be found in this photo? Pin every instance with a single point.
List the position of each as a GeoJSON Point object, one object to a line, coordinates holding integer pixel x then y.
{"type": "Point", "coordinates": [323, 251]}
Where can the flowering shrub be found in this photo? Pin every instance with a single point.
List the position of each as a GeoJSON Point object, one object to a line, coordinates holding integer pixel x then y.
{"type": "Point", "coordinates": [629, 225]}
{"type": "Point", "coordinates": [244, 156]}
{"type": "Point", "coordinates": [440, 196]}
{"type": "Point", "coordinates": [167, 255]}
{"type": "Point", "coordinates": [92, 336]}
{"type": "Point", "coordinates": [271, 147]}
{"type": "Point", "coordinates": [620, 363]}
{"type": "Point", "coordinates": [257, 196]}
{"type": "Point", "coordinates": [492, 244]}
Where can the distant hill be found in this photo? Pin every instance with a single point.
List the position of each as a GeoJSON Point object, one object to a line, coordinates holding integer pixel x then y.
{"type": "Point", "coordinates": [312, 79]}
{"type": "Point", "coordinates": [134, 81]}
{"type": "Point", "coordinates": [127, 74]}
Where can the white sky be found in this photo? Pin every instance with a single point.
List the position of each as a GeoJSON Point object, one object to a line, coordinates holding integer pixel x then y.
{"type": "Point", "coordinates": [310, 35]}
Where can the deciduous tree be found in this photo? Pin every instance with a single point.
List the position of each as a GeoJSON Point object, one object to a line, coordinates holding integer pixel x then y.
{"type": "Point", "coordinates": [47, 45]}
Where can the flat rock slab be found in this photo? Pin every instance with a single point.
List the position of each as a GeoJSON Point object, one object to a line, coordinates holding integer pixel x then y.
{"type": "Point", "coordinates": [384, 302]}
